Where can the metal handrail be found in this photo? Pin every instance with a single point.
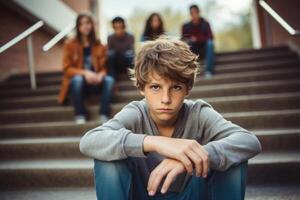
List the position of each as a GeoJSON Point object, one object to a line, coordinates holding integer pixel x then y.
{"type": "Point", "coordinates": [28, 35]}
{"type": "Point", "coordinates": [278, 18]}
{"type": "Point", "coordinates": [21, 36]}
{"type": "Point", "coordinates": [58, 37]}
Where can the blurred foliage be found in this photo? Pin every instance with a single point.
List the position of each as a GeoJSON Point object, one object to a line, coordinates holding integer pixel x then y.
{"type": "Point", "coordinates": [235, 37]}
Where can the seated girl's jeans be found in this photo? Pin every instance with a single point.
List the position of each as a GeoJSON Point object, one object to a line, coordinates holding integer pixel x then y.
{"type": "Point", "coordinates": [79, 89]}
{"type": "Point", "coordinates": [119, 180]}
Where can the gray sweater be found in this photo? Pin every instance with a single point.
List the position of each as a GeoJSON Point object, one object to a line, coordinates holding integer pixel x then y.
{"type": "Point", "coordinates": [120, 45]}
{"type": "Point", "coordinates": [121, 137]}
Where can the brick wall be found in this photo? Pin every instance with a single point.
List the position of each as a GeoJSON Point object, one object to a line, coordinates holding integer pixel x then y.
{"type": "Point", "coordinates": [14, 59]}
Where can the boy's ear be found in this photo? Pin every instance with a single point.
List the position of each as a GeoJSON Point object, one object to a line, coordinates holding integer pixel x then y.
{"type": "Point", "coordinates": [188, 92]}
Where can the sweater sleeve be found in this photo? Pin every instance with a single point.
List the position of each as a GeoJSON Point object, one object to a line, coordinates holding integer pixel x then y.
{"type": "Point", "coordinates": [227, 143]}
{"type": "Point", "coordinates": [115, 140]}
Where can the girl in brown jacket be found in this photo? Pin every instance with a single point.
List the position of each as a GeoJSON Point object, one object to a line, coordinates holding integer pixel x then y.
{"type": "Point", "coordinates": [84, 70]}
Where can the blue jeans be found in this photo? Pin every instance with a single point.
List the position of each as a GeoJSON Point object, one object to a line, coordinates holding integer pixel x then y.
{"type": "Point", "coordinates": [207, 48]}
{"type": "Point", "coordinates": [209, 56]}
{"type": "Point", "coordinates": [79, 89]}
{"type": "Point", "coordinates": [118, 63]}
{"type": "Point", "coordinates": [120, 180]}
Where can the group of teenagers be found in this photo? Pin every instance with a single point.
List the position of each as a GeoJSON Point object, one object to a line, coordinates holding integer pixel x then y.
{"type": "Point", "coordinates": [88, 63]}
{"type": "Point", "coordinates": [164, 146]}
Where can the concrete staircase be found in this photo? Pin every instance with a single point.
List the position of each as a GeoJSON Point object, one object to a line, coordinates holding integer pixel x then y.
{"type": "Point", "coordinates": [257, 89]}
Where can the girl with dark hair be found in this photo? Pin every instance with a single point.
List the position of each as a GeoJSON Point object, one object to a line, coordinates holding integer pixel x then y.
{"type": "Point", "coordinates": [84, 70]}
{"type": "Point", "coordinates": [154, 27]}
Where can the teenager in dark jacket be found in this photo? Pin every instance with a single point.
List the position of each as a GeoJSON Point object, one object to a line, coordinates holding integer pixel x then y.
{"type": "Point", "coordinates": [197, 33]}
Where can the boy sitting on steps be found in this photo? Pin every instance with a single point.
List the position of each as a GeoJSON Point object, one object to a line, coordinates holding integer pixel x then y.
{"type": "Point", "coordinates": [165, 146]}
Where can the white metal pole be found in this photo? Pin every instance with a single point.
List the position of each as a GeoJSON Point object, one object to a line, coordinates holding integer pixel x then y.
{"type": "Point", "coordinates": [31, 66]}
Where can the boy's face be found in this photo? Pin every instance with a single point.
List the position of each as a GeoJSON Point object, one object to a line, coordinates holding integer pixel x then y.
{"type": "Point", "coordinates": [119, 29]}
{"type": "Point", "coordinates": [195, 13]}
{"type": "Point", "coordinates": [164, 98]}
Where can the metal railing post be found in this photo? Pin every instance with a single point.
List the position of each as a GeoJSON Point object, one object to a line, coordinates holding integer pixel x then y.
{"type": "Point", "coordinates": [31, 65]}
{"type": "Point", "coordinates": [30, 54]}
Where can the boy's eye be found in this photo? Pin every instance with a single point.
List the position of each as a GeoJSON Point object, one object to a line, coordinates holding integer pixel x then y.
{"type": "Point", "coordinates": [154, 87]}
{"type": "Point", "coordinates": [177, 87]}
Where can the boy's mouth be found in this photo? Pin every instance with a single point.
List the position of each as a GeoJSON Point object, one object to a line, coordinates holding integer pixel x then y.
{"type": "Point", "coordinates": [165, 110]}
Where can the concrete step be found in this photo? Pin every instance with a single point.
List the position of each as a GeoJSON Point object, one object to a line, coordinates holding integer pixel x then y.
{"type": "Point", "coordinates": [46, 173]}
{"type": "Point", "coordinates": [40, 148]}
{"type": "Point", "coordinates": [234, 55]}
{"type": "Point", "coordinates": [49, 193]}
{"type": "Point", "coordinates": [234, 89]}
{"type": "Point", "coordinates": [277, 167]}
{"type": "Point", "coordinates": [239, 77]}
{"type": "Point", "coordinates": [273, 192]}
{"type": "Point", "coordinates": [78, 172]}
{"type": "Point", "coordinates": [253, 192]}
{"type": "Point", "coordinates": [255, 51]}
{"type": "Point", "coordinates": [29, 102]}
{"type": "Point", "coordinates": [45, 129]}
{"type": "Point", "coordinates": [43, 79]}
{"type": "Point", "coordinates": [250, 57]}
{"type": "Point", "coordinates": [25, 84]}
{"type": "Point", "coordinates": [256, 65]}
{"type": "Point", "coordinates": [221, 104]}
{"type": "Point", "coordinates": [279, 139]}
{"type": "Point", "coordinates": [258, 87]}
{"type": "Point", "coordinates": [68, 147]}
{"type": "Point", "coordinates": [277, 119]}
{"type": "Point", "coordinates": [128, 85]}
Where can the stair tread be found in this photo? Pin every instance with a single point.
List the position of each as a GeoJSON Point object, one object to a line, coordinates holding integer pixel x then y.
{"type": "Point", "coordinates": [87, 163]}
{"type": "Point", "coordinates": [251, 50]}
{"type": "Point", "coordinates": [253, 192]}
{"type": "Point", "coordinates": [76, 139]}
{"type": "Point", "coordinates": [55, 140]}
{"type": "Point", "coordinates": [254, 63]}
{"type": "Point", "coordinates": [199, 79]}
{"type": "Point", "coordinates": [57, 193]}
{"type": "Point", "coordinates": [63, 163]}
{"type": "Point", "coordinates": [218, 76]}
{"type": "Point", "coordinates": [56, 88]}
{"type": "Point", "coordinates": [94, 122]}
{"type": "Point", "coordinates": [276, 157]}
{"type": "Point", "coordinates": [227, 86]}
{"type": "Point", "coordinates": [208, 99]}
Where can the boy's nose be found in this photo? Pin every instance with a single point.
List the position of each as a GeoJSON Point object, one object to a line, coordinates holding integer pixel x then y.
{"type": "Point", "coordinates": [166, 99]}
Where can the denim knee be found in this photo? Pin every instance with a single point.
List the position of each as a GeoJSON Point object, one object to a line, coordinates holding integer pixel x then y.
{"type": "Point", "coordinates": [109, 81]}
{"type": "Point", "coordinates": [77, 83]}
{"type": "Point", "coordinates": [112, 179]}
{"type": "Point", "coordinates": [230, 184]}
{"type": "Point", "coordinates": [111, 54]}
{"type": "Point", "coordinates": [209, 44]}
{"type": "Point", "coordinates": [112, 169]}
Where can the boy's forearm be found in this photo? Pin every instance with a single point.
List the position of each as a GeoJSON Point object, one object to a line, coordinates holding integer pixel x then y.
{"type": "Point", "coordinates": [183, 150]}
{"type": "Point", "coordinates": [149, 144]}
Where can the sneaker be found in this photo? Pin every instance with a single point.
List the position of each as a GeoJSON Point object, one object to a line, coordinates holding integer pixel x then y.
{"type": "Point", "coordinates": [103, 119]}
{"type": "Point", "coordinates": [80, 119]}
{"type": "Point", "coordinates": [208, 75]}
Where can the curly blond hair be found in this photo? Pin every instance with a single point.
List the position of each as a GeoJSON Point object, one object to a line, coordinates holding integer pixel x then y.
{"type": "Point", "coordinates": [168, 57]}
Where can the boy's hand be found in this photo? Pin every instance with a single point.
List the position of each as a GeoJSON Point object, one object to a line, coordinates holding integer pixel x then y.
{"type": "Point", "coordinates": [100, 76]}
{"type": "Point", "coordinates": [91, 77]}
{"type": "Point", "coordinates": [188, 152]}
{"type": "Point", "coordinates": [168, 168]}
